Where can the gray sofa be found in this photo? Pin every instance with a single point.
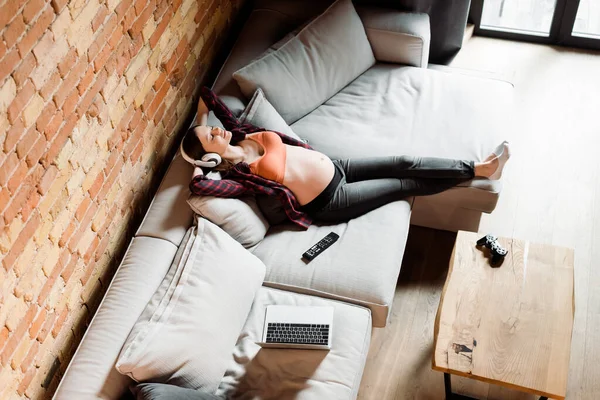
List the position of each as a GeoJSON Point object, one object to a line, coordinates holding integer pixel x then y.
{"type": "Point", "coordinates": [403, 107]}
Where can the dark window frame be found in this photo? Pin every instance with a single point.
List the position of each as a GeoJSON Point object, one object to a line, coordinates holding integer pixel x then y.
{"type": "Point", "coordinates": [561, 28]}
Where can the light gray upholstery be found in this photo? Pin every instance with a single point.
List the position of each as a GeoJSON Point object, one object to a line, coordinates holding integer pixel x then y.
{"type": "Point", "coordinates": [397, 37]}
{"type": "Point", "coordinates": [185, 335]}
{"type": "Point", "coordinates": [393, 110]}
{"type": "Point", "coordinates": [169, 216]}
{"type": "Point", "coordinates": [390, 109]}
{"type": "Point", "coordinates": [362, 267]}
{"type": "Point", "coordinates": [240, 218]}
{"type": "Point", "coordinates": [263, 28]}
{"type": "Point", "coordinates": [256, 373]}
{"type": "Point", "coordinates": [433, 212]}
{"type": "Point", "coordinates": [322, 58]}
{"type": "Point", "coordinates": [261, 113]}
{"type": "Point", "coordinates": [91, 373]}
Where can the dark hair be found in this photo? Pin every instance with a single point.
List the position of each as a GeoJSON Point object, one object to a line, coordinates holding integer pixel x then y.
{"type": "Point", "coordinates": [191, 144]}
{"type": "Point", "coordinates": [193, 148]}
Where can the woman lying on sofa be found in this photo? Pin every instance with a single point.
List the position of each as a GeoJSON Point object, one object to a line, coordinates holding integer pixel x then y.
{"type": "Point", "coordinates": [309, 185]}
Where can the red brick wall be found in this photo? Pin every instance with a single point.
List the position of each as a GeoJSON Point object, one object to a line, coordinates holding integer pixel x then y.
{"type": "Point", "coordinates": [92, 94]}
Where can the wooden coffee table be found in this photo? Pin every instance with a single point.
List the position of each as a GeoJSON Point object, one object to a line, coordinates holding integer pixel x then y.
{"type": "Point", "coordinates": [510, 325]}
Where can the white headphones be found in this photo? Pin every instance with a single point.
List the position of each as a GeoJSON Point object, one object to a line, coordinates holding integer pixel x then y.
{"type": "Point", "coordinates": [209, 160]}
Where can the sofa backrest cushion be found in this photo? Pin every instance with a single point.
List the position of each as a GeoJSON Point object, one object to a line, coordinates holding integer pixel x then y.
{"type": "Point", "coordinates": [240, 218]}
{"type": "Point", "coordinates": [261, 113]}
{"type": "Point", "coordinates": [186, 332]}
{"type": "Point", "coordinates": [324, 57]}
{"type": "Point", "coordinates": [91, 373]}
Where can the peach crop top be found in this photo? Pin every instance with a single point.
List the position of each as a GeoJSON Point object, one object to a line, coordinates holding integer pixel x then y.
{"type": "Point", "coordinates": [271, 165]}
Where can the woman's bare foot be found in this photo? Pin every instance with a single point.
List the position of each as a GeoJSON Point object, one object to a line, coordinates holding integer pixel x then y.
{"type": "Point", "coordinates": [487, 168]}
{"type": "Point", "coordinates": [493, 165]}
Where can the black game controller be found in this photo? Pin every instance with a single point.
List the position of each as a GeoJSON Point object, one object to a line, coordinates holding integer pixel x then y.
{"type": "Point", "coordinates": [498, 252]}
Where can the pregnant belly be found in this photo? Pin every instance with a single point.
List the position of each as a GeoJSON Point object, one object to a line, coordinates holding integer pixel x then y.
{"type": "Point", "coordinates": [307, 173]}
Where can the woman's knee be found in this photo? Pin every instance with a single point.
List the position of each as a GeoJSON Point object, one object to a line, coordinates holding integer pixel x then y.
{"type": "Point", "coordinates": [405, 161]}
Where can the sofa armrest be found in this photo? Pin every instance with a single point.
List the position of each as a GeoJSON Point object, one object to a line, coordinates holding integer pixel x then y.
{"type": "Point", "coordinates": [397, 37]}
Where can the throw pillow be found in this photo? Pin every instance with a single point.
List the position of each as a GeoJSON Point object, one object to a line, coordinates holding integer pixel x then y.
{"type": "Point", "coordinates": [159, 391]}
{"type": "Point", "coordinates": [186, 333]}
{"type": "Point", "coordinates": [240, 218]}
{"type": "Point", "coordinates": [307, 70]}
{"type": "Point", "coordinates": [260, 112]}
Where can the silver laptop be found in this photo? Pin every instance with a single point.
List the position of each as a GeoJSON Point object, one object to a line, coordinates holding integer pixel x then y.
{"type": "Point", "coordinates": [297, 327]}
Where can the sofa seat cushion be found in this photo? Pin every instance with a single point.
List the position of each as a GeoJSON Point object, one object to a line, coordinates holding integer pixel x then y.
{"type": "Point", "coordinates": [362, 267]}
{"type": "Point", "coordinates": [256, 373]}
{"type": "Point", "coordinates": [396, 110]}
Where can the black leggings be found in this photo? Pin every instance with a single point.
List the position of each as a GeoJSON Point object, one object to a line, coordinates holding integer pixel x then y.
{"type": "Point", "coordinates": [362, 185]}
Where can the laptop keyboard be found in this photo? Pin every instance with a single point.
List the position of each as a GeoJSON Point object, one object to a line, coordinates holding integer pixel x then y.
{"type": "Point", "coordinates": [297, 333]}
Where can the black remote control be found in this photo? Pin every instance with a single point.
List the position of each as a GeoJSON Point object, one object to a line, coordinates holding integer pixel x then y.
{"type": "Point", "coordinates": [321, 246]}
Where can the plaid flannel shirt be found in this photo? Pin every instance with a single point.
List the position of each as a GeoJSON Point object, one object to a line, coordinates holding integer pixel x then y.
{"type": "Point", "coordinates": [239, 180]}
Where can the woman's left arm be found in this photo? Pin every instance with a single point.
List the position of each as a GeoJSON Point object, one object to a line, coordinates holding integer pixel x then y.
{"type": "Point", "coordinates": [231, 123]}
{"type": "Point", "coordinates": [223, 113]}
{"type": "Point", "coordinates": [202, 115]}
{"type": "Point", "coordinates": [214, 104]}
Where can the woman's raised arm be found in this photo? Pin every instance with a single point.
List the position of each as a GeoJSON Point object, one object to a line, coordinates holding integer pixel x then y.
{"type": "Point", "coordinates": [203, 111]}
{"type": "Point", "coordinates": [214, 104]}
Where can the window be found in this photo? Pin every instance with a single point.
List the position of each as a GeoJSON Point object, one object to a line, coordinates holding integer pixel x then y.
{"type": "Point", "coordinates": [567, 22]}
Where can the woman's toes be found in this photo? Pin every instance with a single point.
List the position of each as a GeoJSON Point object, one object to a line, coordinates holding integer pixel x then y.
{"type": "Point", "coordinates": [503, 153]}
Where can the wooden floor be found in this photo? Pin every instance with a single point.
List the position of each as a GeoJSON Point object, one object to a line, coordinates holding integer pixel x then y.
{"type": "Point", "coordinates": [551, 195]}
